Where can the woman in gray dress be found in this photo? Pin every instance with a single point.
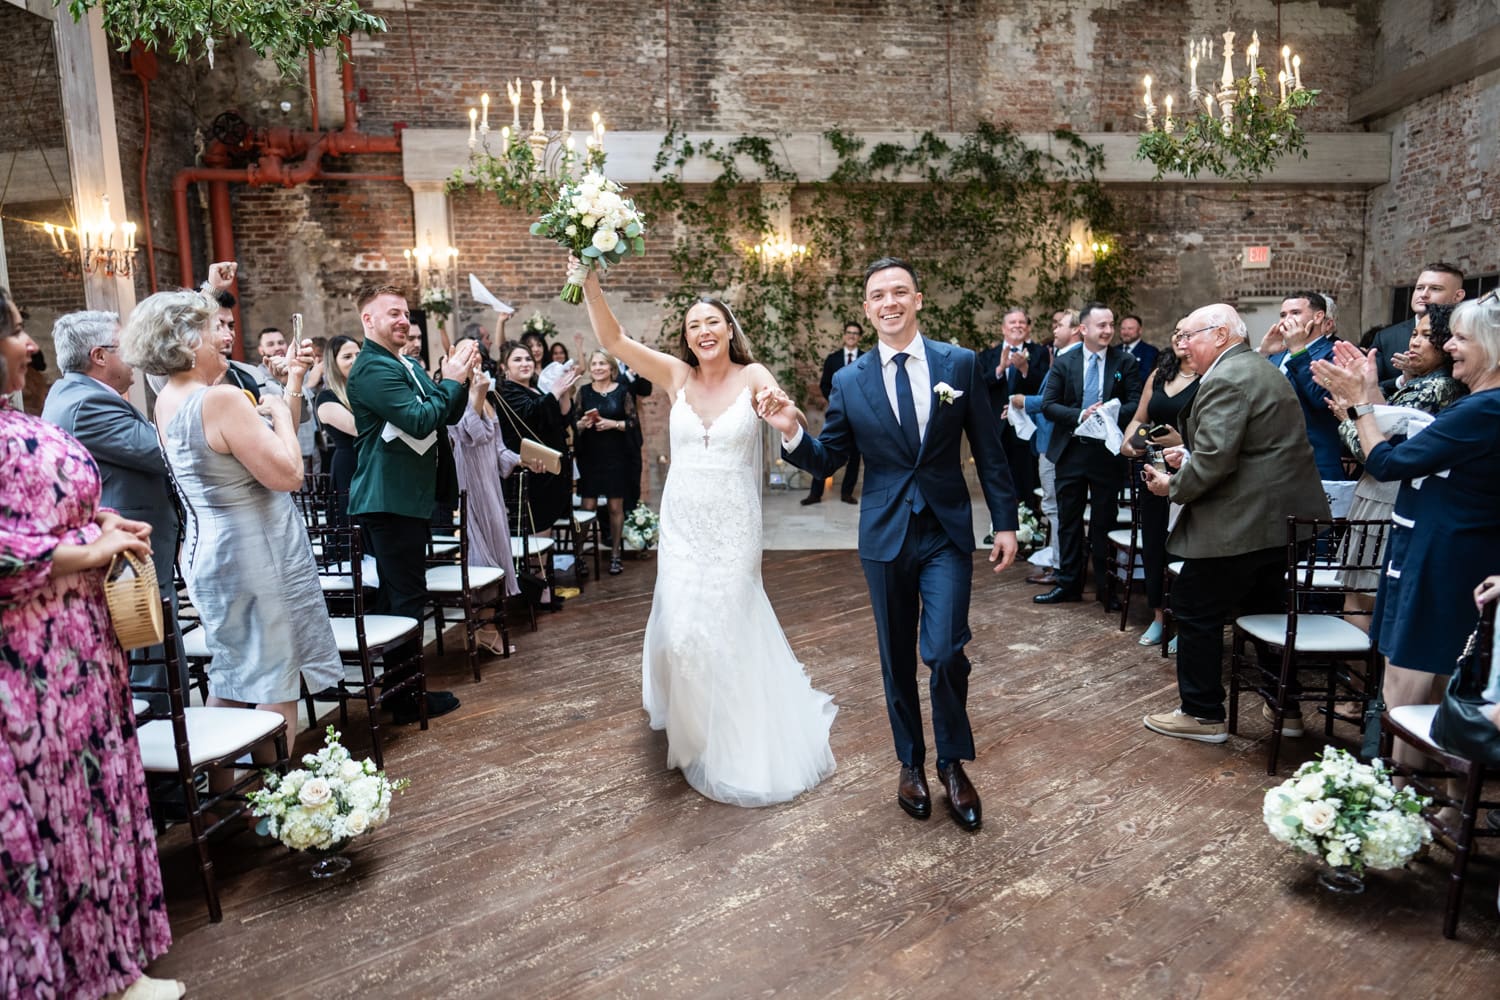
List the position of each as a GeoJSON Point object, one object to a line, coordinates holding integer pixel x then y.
{"type": "Point", "coordinates": [245, 551]}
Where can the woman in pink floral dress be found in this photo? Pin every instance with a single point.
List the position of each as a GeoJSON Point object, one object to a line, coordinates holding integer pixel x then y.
{"type": "Point", "coordinates": [81, 908]}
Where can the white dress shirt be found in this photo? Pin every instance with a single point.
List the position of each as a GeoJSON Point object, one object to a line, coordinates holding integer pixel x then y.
{"type": "Point", "coordinates": [916, 371]}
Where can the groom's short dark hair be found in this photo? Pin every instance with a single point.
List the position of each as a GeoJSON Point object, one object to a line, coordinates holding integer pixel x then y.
{"type": "Point", "coordinates": [887, 262]}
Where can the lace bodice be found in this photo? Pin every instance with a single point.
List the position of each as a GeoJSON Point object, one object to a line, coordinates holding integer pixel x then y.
{"type": "Point", "coordinates": [711, 503]}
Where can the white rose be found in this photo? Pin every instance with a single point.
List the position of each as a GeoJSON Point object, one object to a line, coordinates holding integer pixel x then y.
{"type": "Point", "coordinates": [357, 822]}
{"type": "Point", "coordinates": [572, 230]}
{"type": "Point", "coordinates": [589, 221]}
{"type": "Point", "coordinates": [606, 240]}
{"type": "Point", "coordinates": [1310, 786]}
{"type": "Point", "coordinates": [1023, 535]}
{"type": "Point", "coordinates": [1317, 817]}
{"type": "Point", "coordinates": [315, 793]}
{"type": "Point", "coordinates": [349, 770]}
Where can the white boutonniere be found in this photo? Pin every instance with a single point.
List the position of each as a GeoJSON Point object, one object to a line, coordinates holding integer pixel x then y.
{"type": "Point", "coordinates": [946, 393]}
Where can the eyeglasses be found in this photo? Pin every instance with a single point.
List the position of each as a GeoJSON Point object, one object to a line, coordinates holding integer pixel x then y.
{"type": "Point", "coordinates": [109, 347]}
{"type": "Point", "coordinates": [1189, 335]}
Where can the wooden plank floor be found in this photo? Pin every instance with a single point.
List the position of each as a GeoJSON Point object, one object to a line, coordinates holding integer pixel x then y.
{"type": "Point", "coordinates": [544, 850]}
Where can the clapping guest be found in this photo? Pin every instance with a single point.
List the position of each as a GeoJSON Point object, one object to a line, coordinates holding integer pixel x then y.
{"type": "Point", "coordinates": [81, 905]}
{"type": "Point", "coordinates": [603, 444]}
{"type": "Point", "coordinates": [1445, 533]}
{"type": "Point", "coordinates": [1164, 405]}
{"type": "Point", "coordinates": [1427, 385]}
{"type": "Point", "coordinates": [246, 556]}
{"type": "Point", "coordinates": [543, 417]}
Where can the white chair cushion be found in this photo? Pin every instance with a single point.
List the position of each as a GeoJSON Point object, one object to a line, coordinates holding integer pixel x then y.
{"type": "Point", "coordinates": [1175, 568]}
{"type": "Point", "coordinates": [538, 544]}
{"type": "Point", "coordinates": [1315, 633]}
{"type": "Point", "coordinates": [449, 579]}
{"type": "Point", "coordinates": [213, 734]}
{"type": "Point", "coordinates": [139, 705]}
{"type": "Point", "coordinates": [1417, 720]}
{"type": "Point", "coordinates": [336, 584]}
{"type": "Point", "coordinates": [195, 644]}
{"type": "Point", "coordinates": [445, 538]}
{"type": "Point", "coordinates": [1123, 537]}
{"type": "Point", "coordinates": [444, 548]}
{"type": "Point", "coordinates": [582, 517]}
{"type": "Point", "coordinates": [1124, 515]}
{"type": "Point", "coordinates": [380, 630]}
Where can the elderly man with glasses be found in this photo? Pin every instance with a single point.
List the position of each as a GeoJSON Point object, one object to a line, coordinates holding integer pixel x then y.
{"type": "Point", "coordinates": [1239, 476]}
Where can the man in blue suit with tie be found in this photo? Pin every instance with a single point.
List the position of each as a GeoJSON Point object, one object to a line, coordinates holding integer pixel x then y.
{"type": "Point", "coordinates": [904, 406]}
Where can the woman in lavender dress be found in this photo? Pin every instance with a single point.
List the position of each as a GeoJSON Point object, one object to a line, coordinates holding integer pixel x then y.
{"type": "Point", "coordinates": [81, 908]}
{"type": "Point", "coordinates": [482, 461]}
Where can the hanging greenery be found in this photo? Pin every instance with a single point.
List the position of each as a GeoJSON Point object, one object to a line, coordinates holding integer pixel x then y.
{"type": "Point", "coordinates": [279, 30]}
{"type": "Point", "coordinates": [1260, 134]}
{"type": "Point", "coordinates": [980, 220]}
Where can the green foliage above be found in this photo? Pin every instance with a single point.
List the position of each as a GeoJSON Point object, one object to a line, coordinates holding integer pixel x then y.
{"type": "Point", "coordinates": [1261, 134]}
{"type": "Point", "coordinates": [980, 220]}
{"type": "Point", "coordinates": [280, 30]}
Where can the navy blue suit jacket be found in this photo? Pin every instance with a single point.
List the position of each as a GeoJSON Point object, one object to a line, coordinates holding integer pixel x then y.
{"type": "Point", "coordinates": [1322, 425]}
{"type": "Point", "coordinates": [860, 419]}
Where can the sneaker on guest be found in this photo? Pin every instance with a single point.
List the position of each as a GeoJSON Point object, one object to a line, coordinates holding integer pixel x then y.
{"type": "Point", "coordinates": [1179, 724]}
{"type": "Point", "coordinates": [1290, 726]}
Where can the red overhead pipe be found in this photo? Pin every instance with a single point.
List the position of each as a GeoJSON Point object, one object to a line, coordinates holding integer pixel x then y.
{"type": "Point", "coordinates": [272, 148]}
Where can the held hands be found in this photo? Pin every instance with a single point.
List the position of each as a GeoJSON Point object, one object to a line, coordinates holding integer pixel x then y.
{"type": "Point", "coordinates": [775, 407]}
{"type": "Point", "coordinates": [1003, 552]}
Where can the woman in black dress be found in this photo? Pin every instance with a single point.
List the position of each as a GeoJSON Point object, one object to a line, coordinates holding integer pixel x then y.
{"type": "Point", "coordinates": [602, 438]}
{"type": "Point", "coordinates": [543, 417]}
{"type": "Point", "coordinates": [1166, 400]}
{"type": "Point", "coordinates": [334, 414]}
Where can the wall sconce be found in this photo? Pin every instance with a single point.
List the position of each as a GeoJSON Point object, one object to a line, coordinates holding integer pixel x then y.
{"type": "Point", "coordinates": [779, 250]}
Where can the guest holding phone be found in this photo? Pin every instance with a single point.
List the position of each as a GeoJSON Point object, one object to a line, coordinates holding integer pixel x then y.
{"type": "Point", "coordinates": [601, 437]}
{"type": "Point", "coordinates": [1164, 403]}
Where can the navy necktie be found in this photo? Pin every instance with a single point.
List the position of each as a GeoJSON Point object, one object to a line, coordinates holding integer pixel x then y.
{"type": "Point", "coordinates": [906, 405]}
{"type": "Point", "coordinates": [1091, 381]}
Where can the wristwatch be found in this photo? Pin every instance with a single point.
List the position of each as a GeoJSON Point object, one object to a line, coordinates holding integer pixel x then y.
{"type": "Point", "coordinates": [1360, 409]}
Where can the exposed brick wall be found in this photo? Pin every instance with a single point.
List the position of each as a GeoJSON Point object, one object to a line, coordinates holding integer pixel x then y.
{"type": "Point", "coordinates": [1440, 204]}
{"type": "Point", "coordinates": [28, 83]}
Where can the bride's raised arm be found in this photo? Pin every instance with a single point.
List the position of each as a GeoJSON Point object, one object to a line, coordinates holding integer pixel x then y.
{"type": "Point", "coordinates": [663, 369]}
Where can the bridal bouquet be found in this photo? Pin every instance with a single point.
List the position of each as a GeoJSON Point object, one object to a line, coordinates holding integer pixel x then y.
{"type": "Point", "coordinates": [1347, 814]}
{"type": "Point", "coordinates": [642, 528]}
{"type": "Point", "coordinates": [329, 801]}
{"type": "Point", "coordinates": [595, 224]}
{"type": "Point", "coordinates": [437, 301]}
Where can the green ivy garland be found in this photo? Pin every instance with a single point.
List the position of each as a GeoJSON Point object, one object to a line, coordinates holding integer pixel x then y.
{"type": "Point", "coordinates": [280, 30]}
{"type": "Point", "coordinates": [987, 213]}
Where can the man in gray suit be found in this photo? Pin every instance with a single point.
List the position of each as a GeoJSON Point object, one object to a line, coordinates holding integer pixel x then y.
{"type": "Point", "coordinates": [89, 403]}
{"type": "Point", "coordinates": [1239, 477]}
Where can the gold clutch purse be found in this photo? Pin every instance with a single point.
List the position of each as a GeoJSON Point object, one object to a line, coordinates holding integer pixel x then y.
{"type": "Point", "coordinates": [533, 452]}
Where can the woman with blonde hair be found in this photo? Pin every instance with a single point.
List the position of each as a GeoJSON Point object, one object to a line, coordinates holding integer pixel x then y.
{"type": "Point", "coordinates": [601, 442]}
{"type": "Point", "coordinates": [245, 552]}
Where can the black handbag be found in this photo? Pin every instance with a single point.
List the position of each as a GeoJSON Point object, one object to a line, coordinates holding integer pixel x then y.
{"type": "Point", "coordinates": [1460, 725]}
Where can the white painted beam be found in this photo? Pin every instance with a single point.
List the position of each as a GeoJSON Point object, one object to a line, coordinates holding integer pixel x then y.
{"type": "Point", "coordinates": [1358, 158]}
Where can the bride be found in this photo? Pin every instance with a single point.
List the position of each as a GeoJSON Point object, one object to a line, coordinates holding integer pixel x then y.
{"type": "Point", "coordinates": [743, 722]}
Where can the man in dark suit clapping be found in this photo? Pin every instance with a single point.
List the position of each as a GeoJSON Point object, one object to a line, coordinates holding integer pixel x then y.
{"type": "Point", "coordinates": [1088, 473]}
{"type": "Point", "coordinates": [845, 355]}
{"type": "Point", "coordinates": [1015, 367]}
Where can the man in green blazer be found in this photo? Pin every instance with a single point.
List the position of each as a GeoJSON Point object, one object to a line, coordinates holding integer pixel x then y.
{"type": "Point", "coordinates": [402, 461]}
{"type": "Point", "coordinates": [1248, 466]}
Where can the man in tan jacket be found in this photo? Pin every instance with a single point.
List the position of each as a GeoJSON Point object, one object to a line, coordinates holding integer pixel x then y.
{"type": "Point", "coordinates": [1246, 467]}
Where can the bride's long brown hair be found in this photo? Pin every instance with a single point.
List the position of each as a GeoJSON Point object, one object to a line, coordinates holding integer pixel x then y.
{"type": "Point", "coordinates": [739, 344]}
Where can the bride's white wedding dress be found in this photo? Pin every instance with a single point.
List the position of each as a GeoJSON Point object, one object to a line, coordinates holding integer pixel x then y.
{"type": "Point", "coordinates": [743, 722]}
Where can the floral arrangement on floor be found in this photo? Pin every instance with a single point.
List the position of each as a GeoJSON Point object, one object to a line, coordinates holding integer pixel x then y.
{"type": "Point", "coordinates": [540, 325]}
{"type": "Point", "coordinates": [1031, 533]}
{"type": "Point", "coordinates": [1347, 814]}
{"type": "Point", "coordinates": [332, 799]}
{"type": "Point", "coordinates": [642, 528]}
{"type": "Point", "coordinates": [595, 225]}
{"type": "Point", "coordinates": [438, 301]}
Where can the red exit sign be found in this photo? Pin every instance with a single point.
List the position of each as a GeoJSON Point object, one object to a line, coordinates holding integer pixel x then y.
{"type": "Point", "coordinates": [1257, 258]}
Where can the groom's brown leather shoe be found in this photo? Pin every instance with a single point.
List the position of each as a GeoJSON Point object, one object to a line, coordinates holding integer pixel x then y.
{"type": "Point", "coordinates": [912, 793]}
{"type": "Point", "coordinates": [963, 800]}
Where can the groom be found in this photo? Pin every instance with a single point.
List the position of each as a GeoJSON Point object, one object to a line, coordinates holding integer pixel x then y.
{"type": "Point", "coordinates": [903, 407]}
